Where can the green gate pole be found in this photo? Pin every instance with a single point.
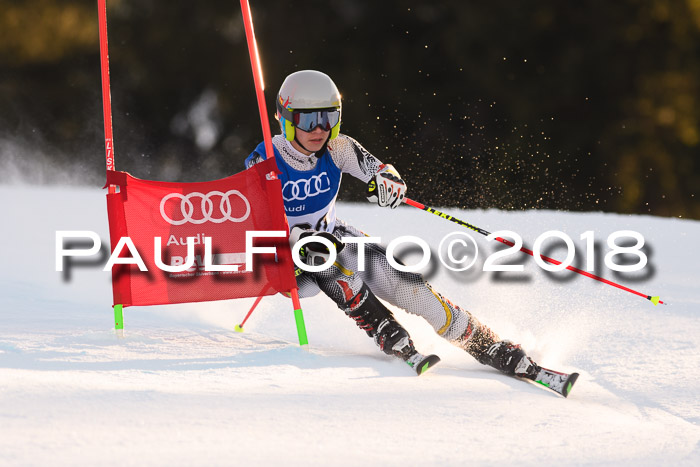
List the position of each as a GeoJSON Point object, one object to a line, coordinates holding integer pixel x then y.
{"type": "Point", "coordinates": [299, 318]}
{"type": "Point", "coordinates": [119, 321]}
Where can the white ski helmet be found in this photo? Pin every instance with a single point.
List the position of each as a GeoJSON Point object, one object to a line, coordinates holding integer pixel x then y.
{"type": "Point", "coordinates": [308, 99]}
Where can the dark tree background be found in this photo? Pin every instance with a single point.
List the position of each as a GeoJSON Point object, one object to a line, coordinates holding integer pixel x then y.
{"type": "Point", "coordinates": [588, 105]}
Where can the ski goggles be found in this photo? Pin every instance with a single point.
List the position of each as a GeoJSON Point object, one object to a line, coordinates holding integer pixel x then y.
{"type": "Point", "coordinates": [308, 120]}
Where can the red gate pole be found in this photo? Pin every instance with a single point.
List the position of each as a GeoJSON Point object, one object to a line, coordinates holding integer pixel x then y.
{"type": "Point", "coordinates": [257, 76]}
{"type": "Point", "coordinates": [267, 137]}
{"type": "Point", "coordinates": [106, 94]}
{"type": "Point", "coordinates": [109, 141]}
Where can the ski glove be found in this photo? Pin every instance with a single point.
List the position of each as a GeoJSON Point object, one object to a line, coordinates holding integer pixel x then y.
{"type": "Point", "coordinates": [314, 253]}
{"type": "Point", "coordinates": [386, 187]}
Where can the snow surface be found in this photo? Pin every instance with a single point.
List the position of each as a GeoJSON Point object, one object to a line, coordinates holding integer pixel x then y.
{"type": "Point", "coordinates": [183, 388]}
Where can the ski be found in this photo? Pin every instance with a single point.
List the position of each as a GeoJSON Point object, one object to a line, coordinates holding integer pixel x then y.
{"type": "Point", "coordinates": [421, 363]}
{"type": "Point", "coordinates": [558, 382]}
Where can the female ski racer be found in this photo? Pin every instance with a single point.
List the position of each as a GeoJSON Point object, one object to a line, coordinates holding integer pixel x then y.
{"type": "Point", "coordinates": [312, 155]}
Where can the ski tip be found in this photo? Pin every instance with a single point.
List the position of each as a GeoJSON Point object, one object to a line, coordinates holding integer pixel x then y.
{"type": "Point", "coordinates": [570, 381]}
{"type": "Point", "coordinates": [427, 363]}
{"type": "Point", "coordinates": [238, 328]}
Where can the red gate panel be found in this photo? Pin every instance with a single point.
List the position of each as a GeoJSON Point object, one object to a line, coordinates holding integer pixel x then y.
{"type": "Point", "coordinates": [222, 210]}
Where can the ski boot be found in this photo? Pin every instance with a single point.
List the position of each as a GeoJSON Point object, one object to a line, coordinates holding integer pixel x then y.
{"type": "Point", "coordinates": [487, 348]}
{"type": "Point", "coordinates": [391, 338]}
{"type": "Point", "coordinates": [510, 359]}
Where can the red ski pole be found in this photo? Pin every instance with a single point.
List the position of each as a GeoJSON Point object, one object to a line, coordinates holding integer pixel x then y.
{"type": "Point", "coordinates": [655, 300]}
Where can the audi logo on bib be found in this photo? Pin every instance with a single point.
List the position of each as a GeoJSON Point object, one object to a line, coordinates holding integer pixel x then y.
{"type": "Point", "coordinates": [206, 213]}
{"type": "Point", "coordinates": [299, 190]}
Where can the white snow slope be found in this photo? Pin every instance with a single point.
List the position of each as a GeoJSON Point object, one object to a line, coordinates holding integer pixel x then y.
{"type": "Point", "coordinates": [183, 388]}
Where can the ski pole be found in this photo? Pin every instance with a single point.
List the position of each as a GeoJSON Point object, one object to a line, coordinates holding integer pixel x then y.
{"type": "Point", "coordinates": [655, 300]}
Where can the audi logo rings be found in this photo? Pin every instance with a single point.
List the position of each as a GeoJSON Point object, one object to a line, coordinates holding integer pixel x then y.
{"type": "Point", "coordinates": [299, 190]}
{"type": "Point", "coordinates": [207, 207]}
